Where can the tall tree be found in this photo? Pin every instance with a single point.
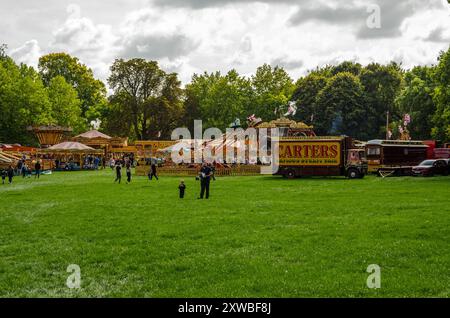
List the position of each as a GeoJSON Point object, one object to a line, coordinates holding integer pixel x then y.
{"type": "Point", "coordinates": [218, 100]}
{"type": "Point", "coordinates": [143, 91]}
{"type": "Point", "coordinates": [416, 99]}
{"type": "Point", "coordinates": [65, 105]}
{"type": "Point", "coordinates": [23, 102]}
{"type": "Point", "coordinates": [91, 91]}
{"type": "Point", "coordinates": [382, 84]}
{"type": "Point", "coordinates": [272, 88]}
{"type": "Point", "coordinates": [441, 97]}
{"type": "Point", "coordinates": [341, 107]}
{"type": "Point", "coordinates": [305, 94]}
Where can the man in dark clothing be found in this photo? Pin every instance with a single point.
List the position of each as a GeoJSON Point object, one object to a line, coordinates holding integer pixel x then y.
{"type": "Point", "coordinates": [4, 174]}
{"type": "Point", "coordinates": [19, 167]}
{"type": "Point", "coordinates": [128, 172]}
{"type": "Point", "coordinates": [37, 169]}
{"type": "Point", "coordinates": [152, 172]}
{"type": "Point", "coordinates": [205, 178]}
{"type": "Point", "coordinates": [10, 174]}
{"type": "Point", "coordinates": [24, 170]}
{"type": "Point", "coordinates": [118, 172]}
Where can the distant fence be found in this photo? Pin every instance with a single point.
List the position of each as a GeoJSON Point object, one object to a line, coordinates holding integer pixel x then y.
{"type": "Point", "coordinates": [241, 170]}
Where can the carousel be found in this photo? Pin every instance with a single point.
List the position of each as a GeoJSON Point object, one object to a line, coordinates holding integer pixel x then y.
{"type": "Point", "coordinates": [69, 155]}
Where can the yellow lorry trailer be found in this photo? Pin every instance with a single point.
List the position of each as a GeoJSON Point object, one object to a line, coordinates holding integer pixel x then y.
{"type": "Point", "coordinates": [321, 156]}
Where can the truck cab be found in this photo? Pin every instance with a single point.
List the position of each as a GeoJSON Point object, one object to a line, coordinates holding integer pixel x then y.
{"type": "Point", "coordinates": [356, 165]}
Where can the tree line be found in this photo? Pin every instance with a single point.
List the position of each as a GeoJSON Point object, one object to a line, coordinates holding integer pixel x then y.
{"type": "Point", "coordinates": [148, 103]}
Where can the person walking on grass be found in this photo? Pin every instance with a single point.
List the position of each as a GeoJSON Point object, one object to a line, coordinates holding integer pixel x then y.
{"type": "Point", "coordinates": [152, 172]}
{"type": "Point", "coordinates": [10, 173]}
{"type": "Point", "coordinates": [118, 172]}
{"type": "Point", "coordinates": [182, 188]}
{"type": "Point", "coordinates": [37, 169]}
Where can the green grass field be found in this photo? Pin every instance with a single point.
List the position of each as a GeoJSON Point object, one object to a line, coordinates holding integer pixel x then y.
{"type": "Point", "coordinates": [255, 237]}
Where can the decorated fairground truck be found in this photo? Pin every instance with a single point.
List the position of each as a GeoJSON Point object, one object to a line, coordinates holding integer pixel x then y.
{"type": "Point", "coordinates": [321, 156]}
{"type": "Point", "coordinates": [394, 157]}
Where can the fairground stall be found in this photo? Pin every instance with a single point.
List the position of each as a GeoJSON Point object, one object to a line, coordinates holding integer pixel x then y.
{"type": "Point", "coordinates": [70, 155]}
{"type": "Point", "coordinates": [112, 147]}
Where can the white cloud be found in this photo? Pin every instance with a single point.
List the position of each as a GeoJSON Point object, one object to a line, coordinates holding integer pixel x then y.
{"type": "Point", "coordinates": [28, 53]}
{"type": "Point", "coordinates": [196, 36]}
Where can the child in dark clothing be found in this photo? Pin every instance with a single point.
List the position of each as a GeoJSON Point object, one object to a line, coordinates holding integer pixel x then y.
{"type": "Point", "coordinates": [118, 172]}
{"type": "Point", "coordinates": [182, 187]}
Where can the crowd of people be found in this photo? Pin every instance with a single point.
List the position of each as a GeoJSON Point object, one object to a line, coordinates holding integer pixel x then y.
{"type": "Point", "coordinates": [126, 162]}
{"type": "Point", "coordinates": [21, 169]}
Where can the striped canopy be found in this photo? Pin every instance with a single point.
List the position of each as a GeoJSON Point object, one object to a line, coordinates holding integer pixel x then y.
{"type": "Point", "coordinates": [93, 134]}
{"type": "Point", "coordinates": [70, 146]}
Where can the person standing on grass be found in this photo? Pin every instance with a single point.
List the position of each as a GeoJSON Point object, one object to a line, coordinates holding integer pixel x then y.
{"type": "Point", "coordinates": [4, 173]}
{"type": "Point", "coordinates": [24, 170]}
{"type": "Point", "coordinates": [152, 172]}
{"type": "Point", "coordinates": [118, 172]}
{"type": "Point", "coordinates": [10, 173]}
{"type": "Point", "coordinates": [37, 169]}
{"type": "Point", "coordinates": [19, 167]}
{"type": "Point", "coordinates": [128, 172]}
{"type": "Point", "coordinates": [182, 188]}
{"type": "Point", "coordinates": [205, 178]}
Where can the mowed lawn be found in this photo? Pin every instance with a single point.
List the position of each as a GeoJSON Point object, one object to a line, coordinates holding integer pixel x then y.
{"type": "Point", "coordinates": [256, 237]}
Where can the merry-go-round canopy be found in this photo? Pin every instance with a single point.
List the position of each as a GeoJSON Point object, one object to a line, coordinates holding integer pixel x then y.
{"type": "Point", "coordinates": [71, 147]}
{"type": "Point", "coordinates": [93, 134]}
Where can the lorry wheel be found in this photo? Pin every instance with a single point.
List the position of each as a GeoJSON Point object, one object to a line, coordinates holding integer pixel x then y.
{"type": "Point", "coordinates": [290, 174]}
{"type": "Point", "coordinates": [353, 174]}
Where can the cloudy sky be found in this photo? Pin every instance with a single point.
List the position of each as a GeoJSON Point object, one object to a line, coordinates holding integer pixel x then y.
{"type": "Point", "coordinates": [192, 36]}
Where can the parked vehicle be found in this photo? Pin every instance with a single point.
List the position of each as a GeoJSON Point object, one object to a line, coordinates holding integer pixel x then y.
{"type": "Point", "coordinates": [321, 156]}
{"type": "Point", "coordinates": [394, 157]}
{"type": "Point", "coordinates": [432, 167]}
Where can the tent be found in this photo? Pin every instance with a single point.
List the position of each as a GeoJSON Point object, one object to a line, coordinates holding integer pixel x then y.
{"type": "Point", "coordinates": [183, 145]}
{"type": "Point", "coordinates": [70, 147]}
{"type": "Point", "coordinates": [5, 160]}
{"type": "Point", "coordinates": [93, 134]}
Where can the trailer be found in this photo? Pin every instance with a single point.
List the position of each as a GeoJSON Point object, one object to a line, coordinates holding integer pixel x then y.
{"type": "Point", "coordinates": [394, 157]}
{"type": "Point", "coordinates": [320, 156]}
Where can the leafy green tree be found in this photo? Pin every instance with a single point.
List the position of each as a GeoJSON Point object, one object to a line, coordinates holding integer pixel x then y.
{"type": "Point", "coordinates": [441, 97]}
{"type": "Point", "coordinates": [23, 102]}
{"type": "Point", "coordinates": [65, 105]}
{"type": "Point", "coordinates": [91, 91]}
{"type": "Point", "coordinates": [341, 107]}
{"type": "Point", "coordinates": [272, 88]}
{"type": "Point", "coordinates": [142, 93]}
{"type": "Point", "coordinates": [305, 95]}
{"type": "Point", "coordinates": [218, 100]}
{"type": "Point", "coordinates": [347, 66]}
{"type": "Point", "coordinates": [416, 99]}
{"type": "Point", "coordinates": [382, 84]}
